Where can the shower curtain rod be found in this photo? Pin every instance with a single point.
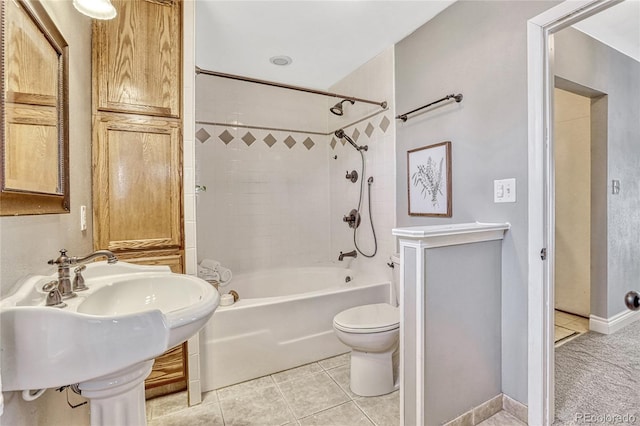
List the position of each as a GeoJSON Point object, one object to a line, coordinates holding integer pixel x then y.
{"type": "Point", "coordinates": [457, 98]}
{"type": "Point", "coordinates": [199, 70]}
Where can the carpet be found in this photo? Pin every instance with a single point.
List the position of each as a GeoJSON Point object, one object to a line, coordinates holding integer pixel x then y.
{"type": "Point", "coordinates": [597, 378]}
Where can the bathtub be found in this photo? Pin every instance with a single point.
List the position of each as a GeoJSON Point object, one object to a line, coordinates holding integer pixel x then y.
{"type": "Point", "coordinates": [283, 319]}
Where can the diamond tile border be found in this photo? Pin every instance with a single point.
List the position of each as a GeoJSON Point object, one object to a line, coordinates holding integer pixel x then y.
{"type": "Point", "coordinates": [308, 143]}
{"type": "Point", "coordinates": [248, 138]}
{"type": "Point", "coordinates": [270, 140]}
{"type": "Point", "coordinates": [384, 124]}
{"type": "Point", "coordinates": [290, 141]}
{"type": "Point", "coordinates": [359, 130]}
{"type": "Point", "coordinates": [369, 130]}
{"type": "Point", "coordinates": [202, 135]}
{"type": "Point", "coordinates": [226, 137]}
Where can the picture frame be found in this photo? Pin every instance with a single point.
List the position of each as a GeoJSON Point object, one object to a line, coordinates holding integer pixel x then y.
{"type": "Point", "coordinates": [429, 180]}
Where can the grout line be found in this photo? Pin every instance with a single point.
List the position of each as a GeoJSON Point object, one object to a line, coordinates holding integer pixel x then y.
{"type": "Point", "coordinates": [284, 398]}
{"type": "Point", "coordinates": [220, 407]}
{"type": "Point", "coordinates": [338, 384]}
{"type": "Point", "coordinates": [364, 412]}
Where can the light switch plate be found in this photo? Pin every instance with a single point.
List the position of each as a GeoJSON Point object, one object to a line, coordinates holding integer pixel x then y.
{"type": "Point", "coordinates": [504, 191]}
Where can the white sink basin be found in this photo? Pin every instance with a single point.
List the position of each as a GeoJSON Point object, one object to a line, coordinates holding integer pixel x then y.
{"type": "Point", "coordinates": [129, 314]}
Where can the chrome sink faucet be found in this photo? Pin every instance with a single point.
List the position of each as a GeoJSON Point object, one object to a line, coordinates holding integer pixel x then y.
{"type": "Point", "coordinates": [351, 253]}
{"type": "Point", "coordinates": [64, 263]}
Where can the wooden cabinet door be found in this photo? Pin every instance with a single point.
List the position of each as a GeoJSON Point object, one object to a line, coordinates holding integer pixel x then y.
{"type": "Point", "coordinates": [137, 58]}
{"type": "Point", "coordinates": [169, 373]}
{"type": "Point", "coordinates": [174, 259]}
{"type": "Point", "coordinates": [137, 186]}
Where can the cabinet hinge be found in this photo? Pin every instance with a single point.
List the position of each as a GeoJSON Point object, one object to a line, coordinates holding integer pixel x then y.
{"type": "Point", "coordinates": [543, 254]}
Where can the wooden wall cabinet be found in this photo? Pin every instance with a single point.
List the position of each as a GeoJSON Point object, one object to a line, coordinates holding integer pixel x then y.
{"type": "Point", "coordinates": [139, 55]}
{"type": "Point", "coordinates": [137, 148]}
{"type": "Point", "coordinates": [137, 182]}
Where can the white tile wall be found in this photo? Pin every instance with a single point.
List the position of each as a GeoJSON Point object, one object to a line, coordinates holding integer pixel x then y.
{"type": "Point", "coordinates": [264, 206]}
{"type": "Point", "coordinates": [373, 80]}
{"type": "Point", "coordinates": [275, 206]}
{"type": "Point", "coordinates": [235, 102]}
{"type": "Point", "coordinates": [195, 394]}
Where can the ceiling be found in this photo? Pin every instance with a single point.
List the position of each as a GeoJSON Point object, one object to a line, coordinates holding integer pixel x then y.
{"type": "Point", "coordinates": [618, 27]}
{"type": "Point", "coordinates": [327, 40]}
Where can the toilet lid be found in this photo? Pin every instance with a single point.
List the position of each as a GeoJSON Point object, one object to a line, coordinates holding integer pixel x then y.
{"type": "Point", "coordinates": [374, 318]}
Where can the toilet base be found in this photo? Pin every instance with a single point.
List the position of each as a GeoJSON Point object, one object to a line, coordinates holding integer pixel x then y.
{"type": "Point", "coordinates": [372, 373]}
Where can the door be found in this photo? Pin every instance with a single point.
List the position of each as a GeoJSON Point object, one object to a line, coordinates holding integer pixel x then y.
{"type": "Point", "coordinates": [137, 183]}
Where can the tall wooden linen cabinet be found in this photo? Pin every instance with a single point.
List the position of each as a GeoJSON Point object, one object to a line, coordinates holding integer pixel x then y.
{"type": "Point", "coordinates": [137, 148]}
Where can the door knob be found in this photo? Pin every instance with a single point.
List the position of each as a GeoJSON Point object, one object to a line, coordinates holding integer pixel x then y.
{"type": "Point", "coordinates": [632, 300]}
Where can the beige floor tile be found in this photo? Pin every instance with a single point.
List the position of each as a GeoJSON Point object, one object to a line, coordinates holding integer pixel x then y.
{"type": "Point", "coordinates": [563, 318]}
{"type": "Point", "coordinates": [240, 389]}
{"type": "Point", "coordinates": [342, 376]}
{"type": "Point", "coordinates": [561, 333]}
{"type": "Point", "coordinates": [163, 405]}
{"type": "Point", "coordinates": [309, 391]}
{"type": "Point", "coordinates": [336, 361]}
{"type": "Point", "coordinates": [384, 410]}
{"type": "Point", "coordinates": [502, 419]}
{"type": "Point", "coordinates": [311, 394]}
{"type": "Point", "coordinates": [581, 325]}
{"type": "Point", "coordinates": [295, 373]}
{"type": "Point", "coordinates": [198, 415]}
{"type": "Point", "coordinates": [263, 406]}
{"type": "Point", "coordinates": [343, 415]}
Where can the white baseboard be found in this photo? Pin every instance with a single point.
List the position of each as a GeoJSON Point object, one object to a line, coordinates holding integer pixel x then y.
{"type": "Point", "coordinates": [613, 324]}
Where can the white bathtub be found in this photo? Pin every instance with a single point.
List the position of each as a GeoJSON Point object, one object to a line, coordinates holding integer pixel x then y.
{"type": "Point", "coordinates": [283, 319]}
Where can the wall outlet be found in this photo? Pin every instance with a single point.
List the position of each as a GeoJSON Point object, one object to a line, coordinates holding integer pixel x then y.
{"type": "Point", "coordinates": [504, 191]}
{"type": "Point", "coordinates": [83, 218]}
{"type": "Point", "coordinates": [615, 186]}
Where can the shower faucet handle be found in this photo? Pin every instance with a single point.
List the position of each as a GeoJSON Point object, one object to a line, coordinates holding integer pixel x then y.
{"type": "Point", "coordinates": [353, 176]}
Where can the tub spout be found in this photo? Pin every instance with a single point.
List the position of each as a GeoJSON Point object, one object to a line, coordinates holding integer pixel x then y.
{"type": "Point", "coordinates": [342, 255]}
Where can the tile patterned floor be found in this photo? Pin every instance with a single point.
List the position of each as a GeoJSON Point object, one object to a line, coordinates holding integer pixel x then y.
{"type": "Point", "coordinates": [313, 394]}
{"type": "Point", "coordinates": [568, 327]}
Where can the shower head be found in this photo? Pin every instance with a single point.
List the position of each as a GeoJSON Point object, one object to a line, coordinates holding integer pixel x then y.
{"type": "Point", "coordinates": [337, 108]}
{"type": "Point", "coordinates": [342, 135]}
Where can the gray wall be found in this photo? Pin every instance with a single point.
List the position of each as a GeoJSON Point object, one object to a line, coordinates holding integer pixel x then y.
{"type": "Point", "coordinates": [465, 369]}
{"type": "Point", "coordinates": [479, 49]}
{"type": "Point", "coordinates": [585, 61]}
{"type": "Point", "coordinates": [27, 242]}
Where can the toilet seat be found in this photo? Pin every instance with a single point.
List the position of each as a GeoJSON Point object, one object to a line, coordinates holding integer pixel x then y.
{"type": "Point", "coordinates": [374, 318]}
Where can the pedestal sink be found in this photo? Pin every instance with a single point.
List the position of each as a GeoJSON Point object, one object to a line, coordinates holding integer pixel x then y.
{"type": "Point", "coordinates": [106, 338]}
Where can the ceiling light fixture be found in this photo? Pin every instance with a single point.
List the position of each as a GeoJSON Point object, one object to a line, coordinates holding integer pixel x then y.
{"type": "Point", "coordinates": [280, 60]}
{"type": "Point", "coordinates": [96, 9]}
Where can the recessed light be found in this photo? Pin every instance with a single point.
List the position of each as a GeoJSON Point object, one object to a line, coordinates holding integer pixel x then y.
{"type": "Point", "coordinates": [280, 60]}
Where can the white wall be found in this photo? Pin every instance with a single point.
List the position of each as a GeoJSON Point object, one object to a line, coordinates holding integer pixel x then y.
{"type": "Point", "coordinates": [27, 242]}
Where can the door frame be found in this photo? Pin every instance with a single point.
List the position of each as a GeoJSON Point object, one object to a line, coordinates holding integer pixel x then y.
{"type": "Point", "coordinates": [541, 199]}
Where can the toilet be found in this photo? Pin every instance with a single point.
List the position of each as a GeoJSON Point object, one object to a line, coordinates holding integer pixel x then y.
{"type": "Point", "coordinates": [372, 332]}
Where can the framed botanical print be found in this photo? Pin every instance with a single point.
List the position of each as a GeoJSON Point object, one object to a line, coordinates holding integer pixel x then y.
{"type": "Point", "coordinates": [429, 180]}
